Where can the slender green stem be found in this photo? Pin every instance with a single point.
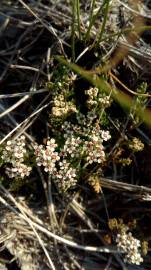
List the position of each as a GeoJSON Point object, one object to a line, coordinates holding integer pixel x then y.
{"type": "Point", "coordinates": [135, 29]}
{"type": "Point", "coordinates": [91, 20]}
{"type": "Point", "coordinates": [78, 18]}
{"type": "Point", "coordinates": [107, 2]}
{"type": "Point", "coordinates": [73, 29]}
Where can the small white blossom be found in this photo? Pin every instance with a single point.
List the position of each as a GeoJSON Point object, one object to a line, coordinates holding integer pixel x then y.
{"type": "Point", "coordinates": [105, 135]}
{"type": "Point", "coordinates": [92, 92]}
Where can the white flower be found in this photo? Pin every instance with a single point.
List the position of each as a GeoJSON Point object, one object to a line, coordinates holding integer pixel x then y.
{"type": "Point", "coordinates": [105, 135]}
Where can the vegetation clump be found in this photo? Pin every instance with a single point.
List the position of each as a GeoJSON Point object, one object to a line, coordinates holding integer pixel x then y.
{"type": "Point", "coordinates": [74, 129]}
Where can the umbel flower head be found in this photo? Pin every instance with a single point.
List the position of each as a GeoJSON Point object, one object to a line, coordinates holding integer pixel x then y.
{"type": "Point", "coordinates": [14, 150]}
{"type": "Point", "coordinates": [136, 145]}
{"type": "Point", "coordinates": [60, 171]}
{"type": "Point", "coordinates": [47, 156]}
{"type": "Point", "coordinates": [62, 107]}
{"type": "Point", "coordinates": [19, 171]}
{"type": "Point", "coordinates": [86, 136]}
{"type": "Point", "coordinates": [14, 154]}
{"type": "Point", "coordinates": [126, 242]}
{"type": "Point", "coordinates": [131, 246]}
{"type": "Point", "coordinates": [66, 176]}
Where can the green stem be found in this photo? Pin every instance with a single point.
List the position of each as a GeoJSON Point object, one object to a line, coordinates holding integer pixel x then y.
{"type": "Point", "coordinates": [91, 20]}
{"type": "Point", "coordinates": [104, 22]}
{"type": "Point", "coordinates": [78, 18]}
{"type": "Point", "coordinates": [73, 29]}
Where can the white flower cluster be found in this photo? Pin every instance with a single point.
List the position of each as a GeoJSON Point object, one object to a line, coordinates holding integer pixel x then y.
{"type": "Point", "coordinates": [14, 154]}
{"type": "Point", "coordinates": [71, 147]}
{"type": "Point", "coordinates": [82, 128]}
{"type": "Point", "coordinates": [62, 107]}
{"type": "Point", "coordinates": [70, 129]}
{"type": "Point", "coordinates": [94, 146]}
{"type": "Point", "coordinates": [94, 150]}
{"type": "Point", "coordinates": [19, 171]}
{"type": "Point", "coordinates": [104, 101]}
{"type": "Point", "coordinates": [62, 172]}
{"type": "Point", "coordinates": [95, 97]}
{"type": "Point", "coordinates": [87, 137]}
{"type": "Point", "coordinates": [130, 245]}
{"type": "Point", "coordinates": [136, 145]}
{"type": "Point", "coordinates": [65, 177]}
{"type": "Point", "coordinates": [92, 92]}
{"type": "Point", "coordinates": [47, 156]}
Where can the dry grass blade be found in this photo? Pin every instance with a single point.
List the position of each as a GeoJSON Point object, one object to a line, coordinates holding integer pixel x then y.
{"type": "Point", "coordinates": [136, 190]}
{"type": "Point", "coordinates": [13, 107]}
{"type": "Point", "coordinates": [23, 122]}
{"type": "Point", "coordinates": [30, 93]}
